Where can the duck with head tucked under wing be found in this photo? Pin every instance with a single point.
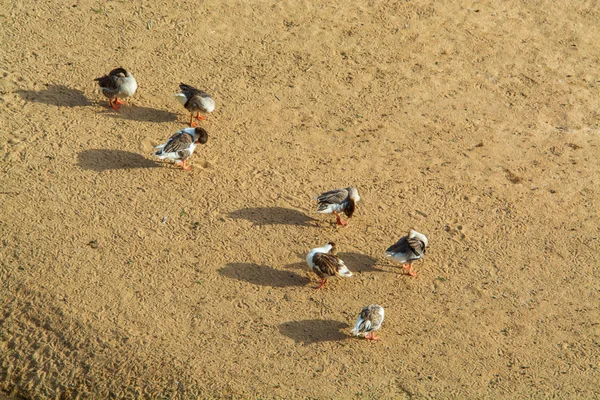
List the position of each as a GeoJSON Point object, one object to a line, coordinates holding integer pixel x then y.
{"type": "Point", "coordinates": [119, 83]}
{"type": "Point", "coordinates": [369, 320]}
{"type": "Point", "coordinates": [181, 145]}
{"type": "Point", "coordinates": [408, 249]}
{"type": "Point", "coordinates": [324, 262]}
{"type": "Point", "coordinates": [338, 200]}
{"type": "Point", "coordinates": [195, 101]}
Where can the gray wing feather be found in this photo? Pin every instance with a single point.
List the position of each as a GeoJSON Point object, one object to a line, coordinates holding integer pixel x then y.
{"type": "Point", "coordinates": [190, 91]}
{"type": "Point", "coordinates": [401, 246]}
{"type": "Point", "coordinates": [365, 326]}
{"type": "Point", "coordinates": [179, 142]}
{"type": "Point", "coordinates": [336, 196]}
{"type": "Point", "coordinates": [371, 319]}
{"type": "Point", "coordinates": [194, 96]}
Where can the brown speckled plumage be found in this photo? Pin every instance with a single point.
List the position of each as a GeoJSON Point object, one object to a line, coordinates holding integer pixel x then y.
{"type": "Point", "coordinates": [369, 320]}
{"type": "Point", "coordinates": [324, 262]}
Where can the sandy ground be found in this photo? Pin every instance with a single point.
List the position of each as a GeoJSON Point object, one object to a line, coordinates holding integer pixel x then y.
{"type": "Point", "coordinates": [475, 123]}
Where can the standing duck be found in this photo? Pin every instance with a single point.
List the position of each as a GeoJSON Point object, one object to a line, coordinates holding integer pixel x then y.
{"type": "Point", "coordinates": [119, 83]}
{"type": "Point", "coordinates": [369, 320]}
{"type": "Point", "coordinates": [338, 200]}
{"type": "Point", "coordinates": [324, 262]}
{"type": "Point", "coordinates": [181, 146]}
{"type": "Point", "coordinates": [195, 101]}
{"type": "Point", "coordinates": [408, 249]}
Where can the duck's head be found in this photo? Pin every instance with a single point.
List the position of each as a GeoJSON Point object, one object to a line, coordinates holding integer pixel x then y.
{"type": "Point", "coordinates": [333, 248]}
{"type": "Point", "coordinates": [353, 194]}
{"type": "Point", "coordinates": [201, 135]}
{"type": "Point", "coordinates": [119, 72]}
{"type": "Point", "coordinates": [353, 198]}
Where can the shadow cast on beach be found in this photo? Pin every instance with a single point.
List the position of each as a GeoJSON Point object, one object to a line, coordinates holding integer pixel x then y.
{"type": "Point", "coordinates": [57, 95]}
{"type": "Point", "coordinates": [105, 160]}
{"type": "Point", "coordinates": [297, 265]}
{"type": "Point", "coordinates": [314, 330]}
{"type": "Point", "coordinates": [263, 275]}
{"type": "Point", "coordinates": [273, 216]}
{"type": "Point", "coordinates": [138, 113]}
{"type": "Point", "coordinates": [359, 262]}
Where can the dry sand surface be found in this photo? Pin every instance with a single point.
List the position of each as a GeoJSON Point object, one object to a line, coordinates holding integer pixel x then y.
{"type": "Point", "coordinates": [476, 123]}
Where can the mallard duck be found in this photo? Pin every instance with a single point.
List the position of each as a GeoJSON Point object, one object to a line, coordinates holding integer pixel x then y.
{"type": "Point", "coordinates": [338, 200]}
{"type": "Point", "coordinates": [324, 262]}
{"type": "Point", "coordinates": [119, 83]}
{"type": "Point", "coordinates": [181, 145]}
{"type": "Point", "coordinates": [195, 101]}
{"type": "Point", "coordinates": [408, 249]}
{"type": "Point", "coordinates": [369, 320]}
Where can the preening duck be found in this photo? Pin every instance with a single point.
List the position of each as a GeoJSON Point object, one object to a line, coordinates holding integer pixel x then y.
{"type": "Point", "coordinates": [195, 101]}
{"type": "Point", "coordinates": [324, 262]}
{"type": "Point", "coordinates": [119, 83]}
{"type": "Point", "coordinates": [181, 146]}
{"type": "Point", "coordinates": [369, 320]}
{"type": "Point", "coordinates": [408, 249]}
{"type": "Point", "coordinates": [338, 200]}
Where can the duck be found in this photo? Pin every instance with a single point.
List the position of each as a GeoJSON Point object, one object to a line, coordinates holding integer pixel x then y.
{"type": "Point", "coordinates": [195, 101]}
{"type": "Point", "coordinates": [119, 83]}
{"type": "Point", "coordinates": [408, 249]}
{"type": "Point", "coordinates": [336, 201]}
{"type": "Point", "coordinates": [369, 320]}
{"type": "Point", "coordinates": [181, 145]}
{"type": "Point", "coordinates": [324, 262]}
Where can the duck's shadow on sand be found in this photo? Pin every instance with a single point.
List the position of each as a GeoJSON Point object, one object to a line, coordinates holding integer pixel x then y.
{"type": "Point", "coordinates": [64, 96]}
{"type": "Point", "coordinates": [314, 330]}
{"type": "Point", "coordinates": [273, 216]}
{"type": "Point", "coordinates": [359, 262]}
{"type": "Point", "coordinates": [138, 113]}
{"type": "Point", "coordinates": [263, 275]}
{"type": "Point", "coordinates": [57, 95]}
{"type": "Point", "coordinates": [105, 160]}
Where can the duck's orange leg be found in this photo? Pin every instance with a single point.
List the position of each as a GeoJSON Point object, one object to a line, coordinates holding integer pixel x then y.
{"type": "Point", "coordinates": [113, 105]}
{"type": "Point", "coordinates": [371, 336]}
{"type": "Point", "coordinates": [185, 167]}
{"type": "Point", "coordinates": [117, 101]}
{"type": "Point", "coordinates": [200, 117]}
{"type": "Point", "coordinates": [192, 123]}
{"type": "Point", "coordinates": [322, 283]}
{"type": "Point", "coordinates": [408, 268]}
{"type": "Point", "coordinates": [339, 219]}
